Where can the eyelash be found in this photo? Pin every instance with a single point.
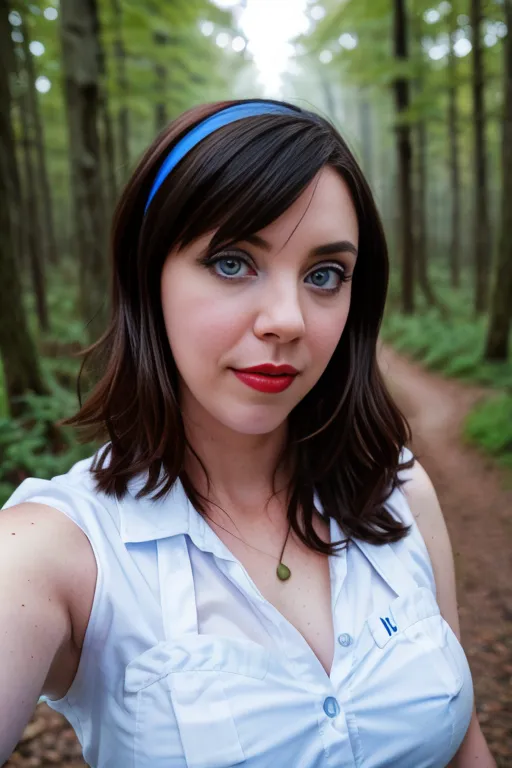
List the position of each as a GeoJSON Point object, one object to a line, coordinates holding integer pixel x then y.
{"type": "Point", "coordinates": [210, 261]}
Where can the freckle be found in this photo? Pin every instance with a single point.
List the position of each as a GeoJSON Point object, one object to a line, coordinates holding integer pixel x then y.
{"type": "Point", "coordinates": [31, 657]}
{"type": "Point", "coordinates": [23, 605]}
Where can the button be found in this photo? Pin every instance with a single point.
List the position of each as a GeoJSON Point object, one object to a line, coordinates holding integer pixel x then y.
{"type": "Point", "coordinates": [331, 707]}
{"type": "Point", "coordinates": [345, 640]}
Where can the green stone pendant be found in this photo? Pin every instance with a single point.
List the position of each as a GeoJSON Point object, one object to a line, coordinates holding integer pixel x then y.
{"type": "Point", "coordinates": [283, 572]}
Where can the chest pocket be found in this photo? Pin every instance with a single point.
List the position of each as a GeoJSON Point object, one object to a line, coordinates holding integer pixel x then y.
{"type": "Point", "coordinates": [183, 694]}
{"type": "Point", "coordinates": [415, 619]}
{"type": "Point", "coordinates": [409, 667]}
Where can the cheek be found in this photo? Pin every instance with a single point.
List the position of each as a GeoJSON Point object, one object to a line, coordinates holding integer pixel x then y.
{"type": "Point", "coordinates": [199, 329]}
{"type": "Point", "coordinates": [325, 332]}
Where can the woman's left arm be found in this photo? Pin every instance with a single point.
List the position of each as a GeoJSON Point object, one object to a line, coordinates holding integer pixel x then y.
{"type": "Point", "coordinates": [422, 498]}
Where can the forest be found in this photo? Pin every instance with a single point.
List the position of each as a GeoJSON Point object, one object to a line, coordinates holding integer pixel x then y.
{"type": "Point", "coordinates": [421, 91]}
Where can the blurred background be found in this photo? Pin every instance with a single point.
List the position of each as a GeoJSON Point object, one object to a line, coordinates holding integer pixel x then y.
{"type": "Point", "coordinates": [422, 93]}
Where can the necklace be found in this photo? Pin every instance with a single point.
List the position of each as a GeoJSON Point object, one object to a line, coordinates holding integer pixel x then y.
{"type": "Point", "coordinates": [283, 573]}
{"type": "Point", "coordinates": [282, 570]}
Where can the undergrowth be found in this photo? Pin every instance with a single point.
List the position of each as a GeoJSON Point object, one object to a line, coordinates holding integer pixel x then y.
{"type": "Point", "coordinates": [454, 346]}
{"type": "Point", "coordinates": [25, 449]}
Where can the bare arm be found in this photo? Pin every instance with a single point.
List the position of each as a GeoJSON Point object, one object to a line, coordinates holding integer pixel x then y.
{"type": "Point", "coordinates": [36, 544]}
{"type": "Point", "coordinates": [474, 752]}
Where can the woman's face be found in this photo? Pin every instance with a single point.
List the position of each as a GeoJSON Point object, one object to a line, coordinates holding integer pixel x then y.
{"type": "Point", "coordinates": [272, 300]}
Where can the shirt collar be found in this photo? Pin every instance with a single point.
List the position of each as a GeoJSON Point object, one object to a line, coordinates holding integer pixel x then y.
{"type": "Point", "coordinates": [148, 519]}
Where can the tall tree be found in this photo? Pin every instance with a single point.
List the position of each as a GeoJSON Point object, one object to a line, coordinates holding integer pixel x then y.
{"type": "Point", "coordinates": [108, 157]}
{"type": "Point", "coordinates": [365, 121]}
{"type": "Point", "coordinates": [122, 84]}
{"type": "Point", "coordinates": [421, 249]}
{"type": "Point", "coordinates": [47, 219]}
{"type": "Point", "coordinates": [404, 156]}
{"type": "Point", "coordinates": [453, 138]}
{"type": "Point", "coordinates": [160, 39]}
{"type": "Point", "coordinates": [31, 205]}
{"type": "Point", "coordinates": [482, 230]}
{"type": "Point", "coordinates": [81, 69]}
{"type": "Point", "coordinates": [21, 369]}
{"type": "Point", "coordinates": [497, 347]}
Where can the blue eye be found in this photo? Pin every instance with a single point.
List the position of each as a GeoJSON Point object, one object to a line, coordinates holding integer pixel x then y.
{"type": "Point", "coordinates": [327, 278]}
{"type": "Point", "coordinates": [229, 267]}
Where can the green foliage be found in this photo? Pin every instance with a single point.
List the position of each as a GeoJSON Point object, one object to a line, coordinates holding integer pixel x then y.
{"type": "Point", "coordinates": [24, 444]}
{"type": "Point", "coordinates": [490, 426]}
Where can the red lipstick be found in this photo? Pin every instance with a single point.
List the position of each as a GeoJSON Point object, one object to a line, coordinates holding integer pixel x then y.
{"type": "Point", "coordinates": [267, 377]}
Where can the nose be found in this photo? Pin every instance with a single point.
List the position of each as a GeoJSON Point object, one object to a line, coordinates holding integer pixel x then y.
{"type": "Point", "coordinates": [280, 315]}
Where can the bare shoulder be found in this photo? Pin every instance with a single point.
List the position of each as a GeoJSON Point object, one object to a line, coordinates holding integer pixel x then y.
{"type": "Point", "coordinates": [56, 562]}
{"type": "Point", "coordinates": [51, 538]}
{"type": "Point", "coordinates": [425, 507]}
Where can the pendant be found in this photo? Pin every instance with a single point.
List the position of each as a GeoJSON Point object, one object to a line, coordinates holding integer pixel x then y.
{"type": "Point", "coordinates": [283, 572]}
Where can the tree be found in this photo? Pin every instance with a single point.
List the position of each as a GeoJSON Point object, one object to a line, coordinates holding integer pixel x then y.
{"type": "Point", "coordinates": [122, 84]}
{"type": "Point", "coordinates": [81, 59]}
{"type": "Point", "coordinates": [17, 350]}
{"type": "Point", "coordinates": [497, 347]}
{"type": "Point", "coordinates": [404, 157]}
{"type": "Point", "coordinates": [481, 226]}
{"type": "Point", "coordinates": [453, 138]}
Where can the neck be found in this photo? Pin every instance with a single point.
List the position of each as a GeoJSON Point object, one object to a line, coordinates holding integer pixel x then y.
{"type": "Point", "coordinates": [240, 467]}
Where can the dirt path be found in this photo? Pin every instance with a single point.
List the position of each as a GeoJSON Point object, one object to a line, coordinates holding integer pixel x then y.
{"type": "Point", "coordinates": [478, 511]}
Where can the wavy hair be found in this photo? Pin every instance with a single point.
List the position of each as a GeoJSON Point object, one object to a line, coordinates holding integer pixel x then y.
{"type": "Point", "coordinates": [345, 437]}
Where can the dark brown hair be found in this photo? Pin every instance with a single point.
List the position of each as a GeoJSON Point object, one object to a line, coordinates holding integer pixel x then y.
{"type": "Point", "coordinates": [346, 435]}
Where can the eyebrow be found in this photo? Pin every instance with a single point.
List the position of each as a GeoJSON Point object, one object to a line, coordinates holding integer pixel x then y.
{"type": "Point", "coordinates": [342, 246]}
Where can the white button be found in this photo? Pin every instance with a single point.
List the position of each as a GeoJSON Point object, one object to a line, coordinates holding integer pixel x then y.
{"type": "Point", "coordinates": [345, 640]}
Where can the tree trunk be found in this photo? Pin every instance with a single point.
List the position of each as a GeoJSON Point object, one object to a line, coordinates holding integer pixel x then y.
{"type": "Point", "coordinates": [365, 119]}
{"type": "Point", "coordinates": [326, 87]}
{"type": "Point", "coordinates": [108, 144]}
{"type": "Point", "coordinates": [36, 236]}
{"type": "Point", "coordinates": [17, 350]}
{"type": "Point", "coordinates": [421, 237]}
{"type": "Point", "coordinates": [122, 83]}
{"type": "Point", "coordinates": [81, 69]}
{"type": "Point", "coordinates": [482, 233]}
{"type": "Point", "coordinates": [404, 156]}
{"type": "Point", "coordinates": [453, 133]}
{"type": "Point", "coordinates": [160, 39]}
{"type": "Point", "coordinates": [32, 216]}
{"type": "Point", "coordinates": [48, 222]}
{"type": "Point", "coordinates": [421, 249]}
{"type": "Point", "coordinates": [497, 347]}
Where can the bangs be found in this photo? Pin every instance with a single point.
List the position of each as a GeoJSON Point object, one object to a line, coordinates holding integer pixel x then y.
{"type": "Point", "coordinates": [243, 177]}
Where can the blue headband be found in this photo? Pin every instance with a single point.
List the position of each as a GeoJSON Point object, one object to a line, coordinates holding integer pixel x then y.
{"type": "Point", "coordinates": [207, 126]}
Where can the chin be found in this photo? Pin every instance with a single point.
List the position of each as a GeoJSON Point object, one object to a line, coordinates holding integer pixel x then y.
{"type": "Point", "coordinates": [253, 421]}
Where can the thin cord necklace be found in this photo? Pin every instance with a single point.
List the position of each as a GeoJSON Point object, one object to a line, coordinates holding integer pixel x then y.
{"type": "Point", "coordinates": [282, 571]}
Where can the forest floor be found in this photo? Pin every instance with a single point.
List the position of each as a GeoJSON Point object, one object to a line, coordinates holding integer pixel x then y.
{"type": "Point", "coordinates": [476, 498]}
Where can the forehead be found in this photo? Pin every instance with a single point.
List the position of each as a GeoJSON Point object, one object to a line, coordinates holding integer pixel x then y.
{"type": "Point", "coordinates": [323, 213]}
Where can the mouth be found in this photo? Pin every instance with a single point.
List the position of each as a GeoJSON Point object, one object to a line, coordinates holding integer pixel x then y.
{"type": "Point", "coordinates": [268, 378]}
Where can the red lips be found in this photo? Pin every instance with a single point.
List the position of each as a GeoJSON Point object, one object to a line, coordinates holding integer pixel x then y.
{"type": "Point", "coordinates": [267, 377]}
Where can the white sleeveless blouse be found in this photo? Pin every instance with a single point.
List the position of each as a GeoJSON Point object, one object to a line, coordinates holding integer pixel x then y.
{"type": "Point", "coordinates": [186, 665]}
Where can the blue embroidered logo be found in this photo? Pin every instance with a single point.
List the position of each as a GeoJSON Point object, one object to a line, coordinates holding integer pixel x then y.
{"type": "Point", "coordinates": [388, 626]}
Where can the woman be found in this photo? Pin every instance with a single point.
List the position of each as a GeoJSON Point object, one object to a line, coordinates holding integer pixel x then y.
{"type": "Point", "coordinates": [253, 569]}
